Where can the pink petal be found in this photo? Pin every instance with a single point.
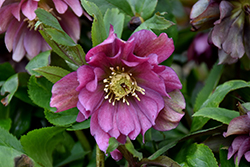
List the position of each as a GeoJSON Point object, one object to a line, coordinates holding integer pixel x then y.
{"type": "Point", "coordinates": [150, 104]}
{"type": "Point", "coordinates": [244, 147]}
{"type": "Point", "coordinates": [29, 8]}
{"type": "Point", "coordinates": [5, 17]}
{"type": "Point", "coordinates": [80, 117]}
{"type": "Point", "coordinates": [170, 78]}
{"type": "Point", "coordinates": [83, 114]}
{"type": "Point", "coordinates": [16, 10]}
{"type": "Point", "coordinates": [105, 116]}
{"type": "Point", "coordinates": [64, 94]}
{"type": "Point", "coordinates": [114, 132]}
{"type": "Point", "coordinates": [247, 156]}
{"type": "Point", "coordinates": [147, 43]}
{"type": "Point", "coordinates": [1, 3]}
{"type": "Point", "coordinates": [238, 125]}
{"type": "Point", "coordinates": [67, 20]}
{"type": "Point", "coordinates": [45, 46]}
{"type": "Point", "coordinates": [18, 44]}
{"type": "Point", "coordinates": [237, 142]}
{"type": "Point", "coordinates": [144, 121]}
{"type": "Point", "coordinates": [134, 113]}
{"type": "Point", "coordinates": [116, 155]}
{"type": "Point", "coordinates": [75, 6]}
{"type": "Point", "coordinates": [101, 137]}
{"type": "Point", "coordinates": [92, 85]}
{"type": "Point", "coordinates": [124, 119]}
{"type": "Point", "coordinates": [32, 43]}
{"type": "Point", "coordinates": [61, 7]}
{"type": "Point", "coordinates": [85, 74]}
{"type": "Point", "coordinates": [11, 33]}
{"type": "Point", "coordinates": [91, 100]}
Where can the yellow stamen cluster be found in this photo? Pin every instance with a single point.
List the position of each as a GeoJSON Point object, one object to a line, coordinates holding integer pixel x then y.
{"type": "Point", "coordinates": [121, 84]}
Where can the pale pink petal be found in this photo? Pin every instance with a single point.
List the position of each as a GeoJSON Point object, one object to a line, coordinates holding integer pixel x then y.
{"type": "Point", "coordinates": [11, 33]}
{"type": "Point", "coordinates": [28, 9]}
{"type": "Point", "coordinates": [91, 100]}
{"type": "Point", "coordinates": [67, 20]}
{"type": "Point", "coordinates": [237, 142]}
{"type": "Point", "coordinates": [124, 119]}
{"type": "Point", "coordinates": [101, 137]}
{"type": "Point", "coordinates": [147, 42]}
{"type": "Point", "coordinates": [1, 3]}
{"type": "Point", "coordinates": [32, 43]}
{"type": "Point", "coordinates": [244, 147]}
{"type": "Point", "coordinates": [45, 46]}
{"type": "Point", "coordinates": [75, 6]}
{"type": "Point", "coordinates": [16, 9]}
{"type": "Point", "coordinates": [247, 156]}
{"type": "Point", "coordinates": [18, 44]}
{"type": "Point", "coordinates": [170, 78]}
{"type": "Point", "coordinates": [105, 116]}
{"type": "Point", "coordinates": [61, 7]}
{"type": "Point", "coordinates": [5, 17]}
{"type": "Point", "coordinates": [150, 104]}
{"type": "Point", "coordinates": [64, 94]}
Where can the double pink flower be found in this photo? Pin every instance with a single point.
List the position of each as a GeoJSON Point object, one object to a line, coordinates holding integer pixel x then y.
{"type": "Point", "coordinates": [18, 19]}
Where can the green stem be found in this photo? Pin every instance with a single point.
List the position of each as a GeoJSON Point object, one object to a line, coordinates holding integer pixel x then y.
{"type": "Point", "coordinates": [84, 142]}
{"type": "Point", "coordinates": [100, 157]}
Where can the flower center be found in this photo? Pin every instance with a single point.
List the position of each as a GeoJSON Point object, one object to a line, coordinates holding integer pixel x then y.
{"type": "Point", "coordinates": [120, 85]}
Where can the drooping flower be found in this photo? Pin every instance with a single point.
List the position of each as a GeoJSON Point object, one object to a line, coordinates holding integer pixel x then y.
{"type": "Point", "coordinates": [231, 23]}
{"type": "Point", "coordinates": [123, 88]}
{"type": "Point", "coordinates": [240, 146]}
{"type": "Point", "coordinates": [201, 51]}
{"type": "Point", "coordinates": [18, 19]}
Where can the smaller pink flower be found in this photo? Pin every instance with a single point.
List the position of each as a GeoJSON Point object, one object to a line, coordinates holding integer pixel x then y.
{"type": "Point", "coordinates": [123, 88]}
{"type": "Point", "coordinates": [240, 146]}
{"type": "Point", "coordinates": [18, 19]}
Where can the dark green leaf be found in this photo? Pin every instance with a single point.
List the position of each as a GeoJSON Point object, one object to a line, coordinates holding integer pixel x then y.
{"type": "Point", "coordinates": [97, 31]}
{"type": "Point", "coordinates": [53, 74]}
{"type": "Point", "coordinates": [216, 98]}
{"type": "Point", "coordinates": [157, 22]}
{"type": "Point", "coordinates": [64, 118]}
{"type": "Point", "coordinates": [10, 86]}
{"type": "Point", "coordinates": [40, 92]}
{"type": "Point", "coordinates": [161, 161]}
{"type": "Point", "coordinates": [113, 17]}
{"type": "Point", "coordinates": [122, 5]}
{"type": "Point", "coordinates": [130, 147]}
{"type": "Point", "coordinates": [144, 8]}
{"type": "Point", "coordinates": [219, 114]}
{"type": "Point", "coordinates": [80, 125]}
{"type": "Point", "coordinates": [60, 37]}
{"type": "Point", "coordinates": [40, 60]}
{"type": "Point", "coordinates": [223, 159]}
{"type": "Point", "coordinates": [6, 70]}
{"type": "Point", "coordinates": [41, 143]}
{"type": "Point", "coordinates": [47, 19]}
{"type": "Point", "coordinates": [5, 123]}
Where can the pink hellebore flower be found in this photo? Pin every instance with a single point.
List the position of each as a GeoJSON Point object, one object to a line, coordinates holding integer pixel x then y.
{"type": "Point", "coordinates": [240, 146]}
{"type": "Point", "coordinates": [123, 88]}
{"type": "Point", "coordinates": [18, 19]}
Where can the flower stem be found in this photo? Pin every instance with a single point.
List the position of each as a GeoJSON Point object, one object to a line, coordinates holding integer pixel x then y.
{"type": "Point", "coordinates": [84, 142]}
{"type": "Point", "coordinates": [100, 157]}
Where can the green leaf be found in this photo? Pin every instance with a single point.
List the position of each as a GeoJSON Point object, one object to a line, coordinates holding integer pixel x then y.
{"type": "Point", "coordinates": [8, 140]}
{"type": "Point", "coordinates": [97, 31]}
{"type": "Point", "coordinates": [113, 144]}
{"type": "Point", "coordinates": [40, 60]}
{"type": "Point", "coordinates": [210, 83]}
{"type": "Point", "coordinates": [5, 123]}
{"type": "Point", "coordinates": [223, 159]}
{"type": "Point", "coordinates": [53, 74]}
{"type": "Point", "coordinates": [130, 147]}
{"type": "Point", "coordinates": [144, 8]}
{"type": "Point", "coordinates": [196, 155]}
{"type": "Point", "coordinates": [104, 5]}
{"type": "Point", "coordinates": [219, 114]}
{"type": "Point", "coordinates": [40, 92]}
{"type": "Point", "coordinates": [113, 17]}
{"type": "Point", "coordinates": [60, 37]}
{"type": "Point", "coordinates": [80, 125]}
{"type": "Point", "coordinates": [157, 22]}
{"type": "Point", "coordinates": [161, 161]}
{"type": "Point", "coordinates": [216, 98]}
{"type": "Point", "coordinates": [10, 86]}
{"type": "Point", "coordinates": [6, 70]}
{"type": "Point", "coordinates": [48, 19]}
{"type": "Point", "coordinates": [41, 143]}
{"type": "Point", "coordinates": [64, 118]}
